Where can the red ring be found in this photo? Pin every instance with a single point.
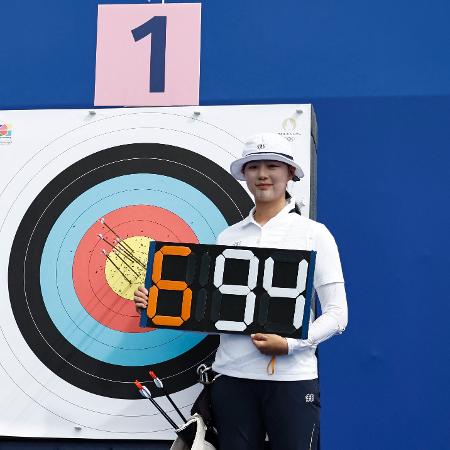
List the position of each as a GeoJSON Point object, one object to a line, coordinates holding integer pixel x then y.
{"type": "Point", "coordinates": [88, 271]}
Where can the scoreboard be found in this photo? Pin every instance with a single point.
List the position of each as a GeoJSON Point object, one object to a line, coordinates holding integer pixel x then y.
{"type": "Point", "coordinates": [223, 289]}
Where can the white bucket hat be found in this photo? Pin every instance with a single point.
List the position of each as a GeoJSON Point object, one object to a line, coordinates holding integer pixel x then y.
{"type": "Point", "coordinates": [265, 146]}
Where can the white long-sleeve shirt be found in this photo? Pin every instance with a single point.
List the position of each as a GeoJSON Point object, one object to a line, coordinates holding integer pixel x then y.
{"type": "Point", "coordinates": [237, 355]}
{"type": "Point", "coordinates": [333, 319]}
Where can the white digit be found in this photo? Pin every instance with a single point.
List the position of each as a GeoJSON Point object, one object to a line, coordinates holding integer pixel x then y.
{"type": "Point", "coordinates": [298, 313]}
{"type": "Point", "coordinates": [237, 289]}
{"type": "Point", "coordinates": [274, 291]}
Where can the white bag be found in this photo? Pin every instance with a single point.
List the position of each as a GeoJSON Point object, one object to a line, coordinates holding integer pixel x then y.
{"type": "Point", "coordinates": [196, 425]}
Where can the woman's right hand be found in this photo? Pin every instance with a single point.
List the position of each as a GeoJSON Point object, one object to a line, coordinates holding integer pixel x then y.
{"type": "Point", "coordinates": [140, 298]}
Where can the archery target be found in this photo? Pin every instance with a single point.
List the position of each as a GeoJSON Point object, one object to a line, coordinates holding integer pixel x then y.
{"type": "Point", "coordinates": [70, 331]}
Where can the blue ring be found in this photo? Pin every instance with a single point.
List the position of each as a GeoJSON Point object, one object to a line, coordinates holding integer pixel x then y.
{"type": "Point", "coordinates": [61, 301]}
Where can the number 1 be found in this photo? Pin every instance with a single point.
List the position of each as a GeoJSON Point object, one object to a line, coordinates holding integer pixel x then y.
{"type": "Point", "coordinates": [157, 27]}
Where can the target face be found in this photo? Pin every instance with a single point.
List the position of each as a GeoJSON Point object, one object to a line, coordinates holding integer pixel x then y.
{"type": "Point", "coordinates": [68, 311]}
{"type": "Point", "coordinates": [70, 339]}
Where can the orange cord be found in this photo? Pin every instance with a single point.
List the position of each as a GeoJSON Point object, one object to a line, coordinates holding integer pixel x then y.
{"type": "Point", "coordinates": [271, 366]}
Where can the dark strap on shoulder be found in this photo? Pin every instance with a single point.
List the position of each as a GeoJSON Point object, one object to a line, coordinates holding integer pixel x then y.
{"type": "Point", "coordinates": [296, 210]}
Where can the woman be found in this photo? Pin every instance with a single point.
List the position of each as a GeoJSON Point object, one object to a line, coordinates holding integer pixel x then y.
{"type": "Point", "coordinates": [269, 383]}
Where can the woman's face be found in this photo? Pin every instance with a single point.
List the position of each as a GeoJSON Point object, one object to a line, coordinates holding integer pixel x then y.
{"type": "Point", "coordinates": [267, 180]}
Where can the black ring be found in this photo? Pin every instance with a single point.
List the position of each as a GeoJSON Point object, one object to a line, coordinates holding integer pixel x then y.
{"type": "Point", "coordinates": [72, 365]}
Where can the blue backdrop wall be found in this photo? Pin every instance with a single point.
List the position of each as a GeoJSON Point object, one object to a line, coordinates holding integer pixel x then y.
{"type": "Point", "coordinates": [378, 74]}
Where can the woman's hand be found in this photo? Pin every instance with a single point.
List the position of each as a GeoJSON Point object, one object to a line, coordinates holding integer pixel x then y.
{"type": "Point", "coordinates": [140, 298]}
{"type": "Point", "coordinates": [270, 344]}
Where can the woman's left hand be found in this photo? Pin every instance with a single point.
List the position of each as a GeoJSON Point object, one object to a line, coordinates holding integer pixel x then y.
{"type": "Point", "coordinates": [270, 344]}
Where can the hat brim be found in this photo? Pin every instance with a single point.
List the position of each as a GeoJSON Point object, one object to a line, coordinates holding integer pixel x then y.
{"type": "Point", "coordinates": [236, 166]}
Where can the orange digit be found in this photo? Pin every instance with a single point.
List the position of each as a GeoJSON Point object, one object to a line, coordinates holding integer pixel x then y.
{"type": "Point", "coordinates": [168, 285]}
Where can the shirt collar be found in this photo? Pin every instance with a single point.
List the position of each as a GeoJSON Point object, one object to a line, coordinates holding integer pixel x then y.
{"type": "Point", "coordinates": [290, 203]}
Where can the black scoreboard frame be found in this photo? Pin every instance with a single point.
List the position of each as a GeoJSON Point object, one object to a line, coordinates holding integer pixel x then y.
{"type": "Point", "coordinates": [189, 293]}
